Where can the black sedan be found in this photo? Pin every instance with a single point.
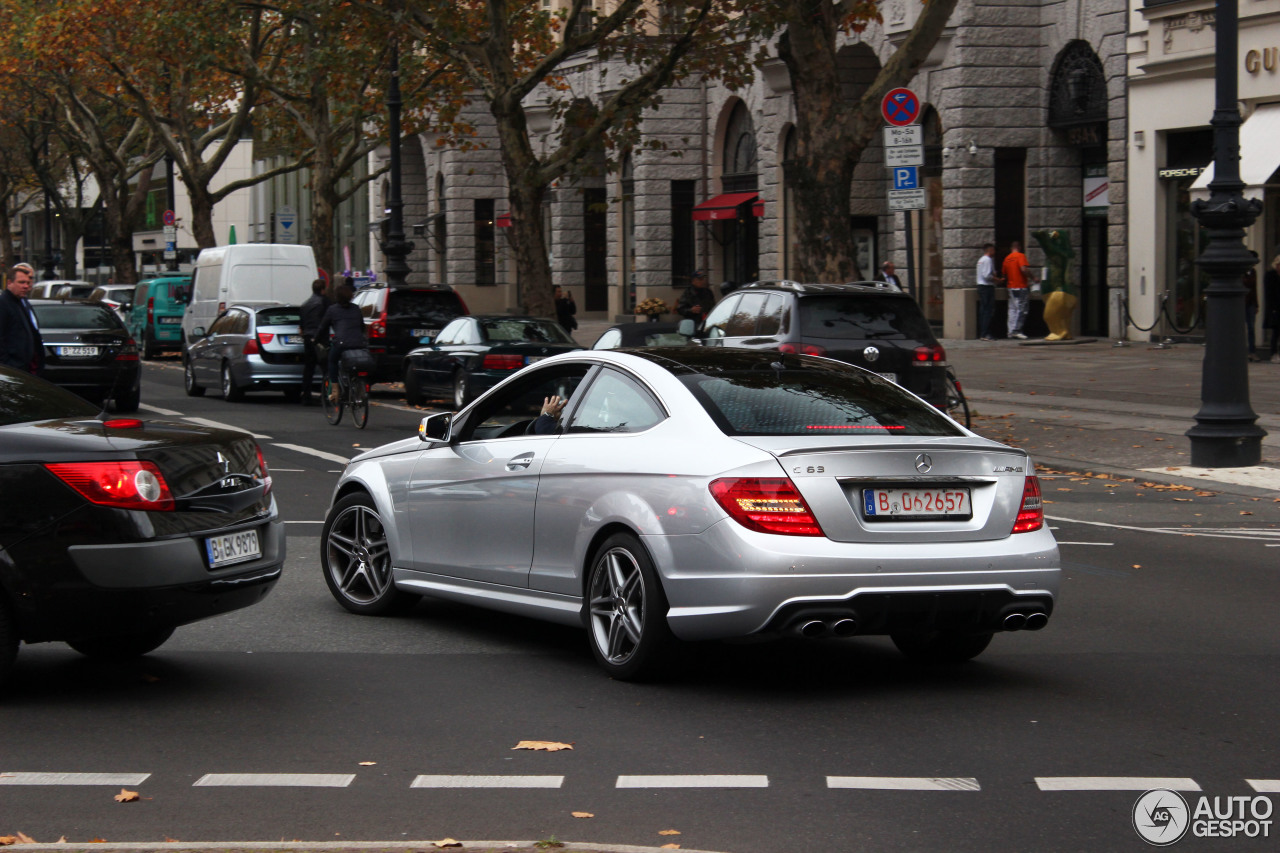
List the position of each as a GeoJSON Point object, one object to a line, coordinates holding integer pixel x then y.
{"type": "Point", "coordinates": [115, 531]}
{"type": "Point", "coordinates": [88, 351]}
{"type": "Point", "coordinates": [472, 354]}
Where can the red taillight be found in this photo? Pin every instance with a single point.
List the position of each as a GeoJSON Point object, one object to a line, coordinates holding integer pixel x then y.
{"type": "Point", "coordinates": [129, 352]}
{"type": "Point", "coordinates": [502, 362]}
{"type": "Point", "coordinates": [1031, 512]}
{"type": "Point", "coordinates": [250, 347]}
{"type": "Point", "coordinates": [123, 423]}
{"type": "Point", "coordinates": [805, 349]}
{"type": "Point", "coordinates": [264, 474]}
{"type": "Point", "coordinates": [151, 311]}
{"type": "Point", "coordinates": [766, 505]}
{"type": "Point", "coordinates": [378, 328]}
{"type": "Point", "coordinates": [127, 485]}
{"type": "Point", "coordinates": [266, 337]}
{"type": "Point", "coordinates": [929, 355]}
{"type": "Point", "coordinates": [787, 348]}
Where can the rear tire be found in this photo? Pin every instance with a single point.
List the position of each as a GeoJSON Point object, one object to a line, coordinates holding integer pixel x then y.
{"type": "Point", "coordinates": [148, 346]}
{"type": "Point", "coordinates": [359, 392]}
{"type": "Point", "coordinates": [356, 559]}
{"type": "Point", "coordinates": [626, 611]}
{"type": "Point", "coordinates": [957, 405]}
{"type": "Point", "coordinates": [941, 646]}
{"type": "Point", "coordinates": [121, 646]}
{"type": "Point", "coordinates": [189, 382]}
{"type": "Point", "coordinates": [8, 643]}
{"type": "Point", "coordinates": [129, 400]}
{"type": "Point", "coordinates": [460, 393]}
{"type": "Point", "coordinates": [332, 408]}
{"type": "Point", "coordinates": [231, 392]}
{"type": "Point", "coordinates": [413, 395]}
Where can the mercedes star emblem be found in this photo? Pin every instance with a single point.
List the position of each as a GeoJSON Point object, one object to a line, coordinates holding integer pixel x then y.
{"type": "Point", "coordinates": [923, 463]}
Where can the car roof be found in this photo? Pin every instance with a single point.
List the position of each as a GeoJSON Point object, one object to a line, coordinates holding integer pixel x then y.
{"type": "Point", "coordinates": [848, 288]}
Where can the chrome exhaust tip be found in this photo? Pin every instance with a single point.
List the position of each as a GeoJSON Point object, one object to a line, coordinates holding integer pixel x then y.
{"type": "Point", "coordinates": [1036, 621]}
{"type": "Point", "coordinates": [813, 629]}
{"type": "Point", "coordinates": [844, 627]}
{"type": "Point", "coordinates": [1015, 621]}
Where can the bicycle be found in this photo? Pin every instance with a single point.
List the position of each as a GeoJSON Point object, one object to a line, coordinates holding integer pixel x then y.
{"type": "Point", "coordinates": [353, 389]}
{"type": "Point", "coordinates": [957, 405]}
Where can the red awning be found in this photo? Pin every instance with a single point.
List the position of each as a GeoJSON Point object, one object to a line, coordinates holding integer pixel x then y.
{"type": "Point", "coordinates": [726, 206]}
{"type": "Point", "coordinates": [503, 220]}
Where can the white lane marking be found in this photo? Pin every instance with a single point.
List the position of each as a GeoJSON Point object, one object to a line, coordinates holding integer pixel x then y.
{"type": "Point", "coordinates": [1108, 544]}
{"type": "Point", "coordinates": [304, 522]}
{"type": "Point", "coordinates": [1167, 531]}
{"type": "Point", "coordinates": [275, 780]}
{"type": "Point", "coordinates": [1114, 783]}
{"type": "Point", "coordinates": [73, 778]}
{"type": "Point", "coordinates": [311, 451]}
{"type": "Point", "coordinates": [220, 425]}
{"type": "Point", "coordinates": [905, 783]}
{"type": "Point", "coordinates": [723, 781]}
{"type": "Point", "coordinates": [275, 470]}
{"type": "Point", "coordinates": [1265, 786]}
{"type": "Point", "coordinates": [488, 782]}
{"type": "Point", "coordinates": [168, 413]}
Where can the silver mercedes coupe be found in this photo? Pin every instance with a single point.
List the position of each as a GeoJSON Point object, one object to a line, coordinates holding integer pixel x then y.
{"type": "Point", "coordinates": [701, 493]}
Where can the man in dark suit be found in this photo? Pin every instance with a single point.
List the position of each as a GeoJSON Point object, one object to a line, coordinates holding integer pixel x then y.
{"type": "Point", "coordinates": [21, 346]}
{"type": "Point", "coordinates": [889, 275]}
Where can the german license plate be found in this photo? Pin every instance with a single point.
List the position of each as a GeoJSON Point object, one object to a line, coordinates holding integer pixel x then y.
{"type": "Point", "coordinates": [169, 321]}
{"type": "Point", "coordinates": [291, 339]}
{"type": "Point", "coordinates": [892, 377]}
{"type": "Point", "coordinates": [892, 504]}
{"type": "Point", "coordinates": [232, 548]}
{"type": "Point", "coordinates": [78, 352]}
{"type": "Point", "coordinates": [424, 333]}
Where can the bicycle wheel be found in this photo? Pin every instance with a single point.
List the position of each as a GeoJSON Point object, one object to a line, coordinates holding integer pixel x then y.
{"type": "Point", "coordinates": [332, 408]}
{"type": "Point", "coordinates": [359, 396]}
{"type": "Point", "coordinates": [957, 405]}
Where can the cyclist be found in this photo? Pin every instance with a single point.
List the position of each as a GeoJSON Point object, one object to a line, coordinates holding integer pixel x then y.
{"type": "Point", "coordinates": [347, 325]}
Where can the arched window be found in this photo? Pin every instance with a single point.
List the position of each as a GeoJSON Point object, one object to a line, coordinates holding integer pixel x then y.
{"type": "Point", "coordinates": [740, 153]}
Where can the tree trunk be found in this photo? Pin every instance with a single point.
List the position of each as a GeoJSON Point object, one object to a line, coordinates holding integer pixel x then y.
{"type": "Point", "coordinates": [526, 191]}
{"type": "Point", "coordinates": [7, 257]}
{"type": "Point", "coordinates": [201, 214]}
{"type": "Point", "coordinates": [324, 195]}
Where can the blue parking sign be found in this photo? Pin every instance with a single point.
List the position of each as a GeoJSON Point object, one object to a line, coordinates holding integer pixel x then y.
{"type": "Point", "coordinates": [906, 177]}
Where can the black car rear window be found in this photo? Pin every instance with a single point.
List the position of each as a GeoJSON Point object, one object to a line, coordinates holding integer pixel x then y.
{"type": "Point", "coordinates": [93, 316]}
{"type": "Point", "coordinates": [813, 401]}
{"type": "Point", "coordinates": [862, 317]}
{"type": "Point", "coordinates": [24, 398]}
{"type": "Point", "coordinates": [523, 331]}
{"type": "Point", "coordinates": [413, 304]}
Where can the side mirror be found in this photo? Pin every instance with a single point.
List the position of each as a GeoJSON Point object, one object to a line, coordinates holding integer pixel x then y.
{"type": "Point", "coordinates": [437, 427]}
{"type": "Point", "coordinates": [197, 332]}
{"type": "Point", "coordinates": [686, 327]}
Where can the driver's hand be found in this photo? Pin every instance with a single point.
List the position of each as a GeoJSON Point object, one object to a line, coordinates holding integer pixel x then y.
{"type": "Point", "coordinates": [553, 405]}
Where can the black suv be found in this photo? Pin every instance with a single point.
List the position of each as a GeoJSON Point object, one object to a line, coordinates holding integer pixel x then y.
{"type": "Point", "coordinates": [398, 319]}
{"type": "Point", "coordinates": [866, 324]}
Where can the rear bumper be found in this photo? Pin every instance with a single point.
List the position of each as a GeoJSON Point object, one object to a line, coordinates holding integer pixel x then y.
{"type": "Point", "coordinates": [732, 582]}
{"type": "Point", "coordinates": [254, 373]}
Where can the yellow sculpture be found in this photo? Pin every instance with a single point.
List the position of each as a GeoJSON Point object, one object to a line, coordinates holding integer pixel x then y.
{"type": "Point", "coordinates": [1060, 297]}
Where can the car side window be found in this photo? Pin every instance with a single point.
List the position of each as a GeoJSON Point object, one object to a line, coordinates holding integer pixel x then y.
{"type": "Point", "coordinates": [770, 316]}
{"type": "Point", "coordinates": [367, 301]}
{"type": "Point", "coordinates": [240, 323]}
{"type": "Point", "coordinates": [510, 411]}
{"type": "Point", "coordinates": [719, 318]}
{"type": "Point", "coordinates": [468, 333]}
{"type": "Point", "coordinates": [449, 334]}
{"type": "Point", "coordinates": [615, 403]}
{"type": "Point", "coordinates": [611, 339]}
{"type": "Point", "coordinates": [221, 326]}
{"type": "Point", "coordinates": [742, 323]}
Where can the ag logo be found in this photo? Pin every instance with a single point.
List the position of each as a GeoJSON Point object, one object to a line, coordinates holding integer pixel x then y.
{"type": "Point", "coordinates": [1161, 817]}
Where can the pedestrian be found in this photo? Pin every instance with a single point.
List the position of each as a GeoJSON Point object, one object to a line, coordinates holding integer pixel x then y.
{"type": "Point", "coordinates": [987, 281]}
{"type": "Point", "coordinates": [312, 312]}
{"type": "Point", "coordinates": [1250, 281]}
{"type": "Point", "coordinates": [1271, 305]}
{"type": "Point", "coordinates": [888, 275]}
{"type": "Point", "coordinates": [346, 322]}
{"type": "Point", "coordinates": [1017, 275]}
{"type": "Point", "coordinates": [697, 300]}
{"type": "Point", "coordinates": [21, 346]}
{"type": "Point", "coordinates": [565, 309]}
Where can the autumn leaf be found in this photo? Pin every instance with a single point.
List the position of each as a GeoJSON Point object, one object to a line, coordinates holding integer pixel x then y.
{"type": "Point", "coordinates": [669, 832]}
{"type": "Point", "coordinates": [670, 847]}
{"type": "Point", "coordinates": [447, 842]}
{"type": "Point", "coordinates": [367, 763]}
{"type": "Point", "coordinates": [127, 796]}
{"type": "Point", "coordinates": [1184, 500]}
{"type": "Point", "coordinates": [1245, 512]}
{"type": "Point", "coordinates": [543, 745]}
{"type": "Point", "coordinates": [582, 814]}
{"type": "Point", "coordinates": [6, 840]}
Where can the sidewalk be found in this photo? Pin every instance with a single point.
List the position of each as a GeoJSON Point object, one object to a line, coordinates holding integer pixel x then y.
{"type": "Point", "coordinates": [1100, 408]}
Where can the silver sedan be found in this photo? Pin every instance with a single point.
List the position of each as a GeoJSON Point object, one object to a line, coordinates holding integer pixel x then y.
{"type": "Point", "coordinates": [691, 494]}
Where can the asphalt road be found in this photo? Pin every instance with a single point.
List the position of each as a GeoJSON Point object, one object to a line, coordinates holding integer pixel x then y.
{"type": "Point", "coordinates": [1156, 671]}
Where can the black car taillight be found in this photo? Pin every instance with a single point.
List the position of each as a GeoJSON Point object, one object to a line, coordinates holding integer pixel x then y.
{"type": "Point", "coordinates": [129, 352]}
{"type": "Point", "coordinates": [929, 356]}
{"type": "Point", "coordinates": [494, 361]}
{"type": "Point", "coordinates": [805, 349]}
{"type": "Point", "coordinates": [263, 473]}
{"type": "Point", "coordinates": [128, 484]}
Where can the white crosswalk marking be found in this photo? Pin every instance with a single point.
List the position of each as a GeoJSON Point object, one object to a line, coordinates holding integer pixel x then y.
{"type": "Point", "coordinates": [73, 778]}
{"type": "Point", "coordinates": [693, 782]}
{"type": "Point", "coordinates": [1265, 786]}
{"type": "Point", "coordinates": [488, 782]}
{"type": "Point", "coordinates": [905, 783]}
{"type": "Point", "coordinates": [275, 780]}
{"type": "Point", "coordinates": [1114, 783]}
{"type": "Point", "coordinates": [311, 451]}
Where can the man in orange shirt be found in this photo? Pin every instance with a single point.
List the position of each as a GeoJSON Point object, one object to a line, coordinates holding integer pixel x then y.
{"type": "Point", "coordinates": [1018, 275]}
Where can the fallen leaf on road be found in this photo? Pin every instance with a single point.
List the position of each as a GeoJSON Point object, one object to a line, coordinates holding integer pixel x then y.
{"type": "Point", "coordinates": [127, 796]}
{"type": "Point", "coordinates": [1063, 489]}
{"type": "Point", "coordinates": [582, 814]}
{"type": "Point", "coordinates": [447, 842]}
{"type": "Point", "coordinates": [6, 840]}
{"type": "Point", "coordinates": [25, 839]}
{"type": "Point", "coordinates": [1137, 565]}
{"type": "Point", "coordinates": [677, 846]}
{"type": "Point", "coordinates": [1245, 512]}
{"type": "Point", "coordinates": [544, 745]}
{"type": "Point", "coordinates": [1185, 500]}
{"type": "Point", "coordinates": [669, 832]}
{"type": "Point", "coordinates": [367, 763]}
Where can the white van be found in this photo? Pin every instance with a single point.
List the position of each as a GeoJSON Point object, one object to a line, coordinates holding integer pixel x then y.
{"type": "Point", "coordinates": [246, 273]}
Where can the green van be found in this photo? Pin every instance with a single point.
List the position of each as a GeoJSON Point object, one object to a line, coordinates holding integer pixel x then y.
{"type": "Point", "coordinates": [155, 321]}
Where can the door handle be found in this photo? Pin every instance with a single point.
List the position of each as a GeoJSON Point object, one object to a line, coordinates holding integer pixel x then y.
{"type": "Point", "coordinates": [519, 463]}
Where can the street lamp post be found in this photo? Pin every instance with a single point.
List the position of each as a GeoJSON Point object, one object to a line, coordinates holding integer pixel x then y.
{"type": "Point", "coordinates": [396, 247]}
{"type": "Point", "coordinates": [49, 272]}
{"type": "Point", "coordinates": [1226, 434]}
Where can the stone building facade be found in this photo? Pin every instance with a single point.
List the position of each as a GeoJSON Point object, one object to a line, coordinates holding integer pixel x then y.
{"type": "Point", "coordinates": [1024, 125]}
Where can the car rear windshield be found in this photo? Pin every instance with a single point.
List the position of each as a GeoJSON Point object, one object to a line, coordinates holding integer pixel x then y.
{"type": "Point", "coordinates": [94, 317]}
{"type": "Point", "coordinates": [23, 399]}
{"type": "Point", "coordinates": [813, 402]}
{"type": "Point", "coordinates": [416, 304]}
{"type": "Point", "coordinates": [279, 317]}
{"type": "Point", "coordinates": [862, 317]}
{"type": "Point", "coordinates": [521, 331]}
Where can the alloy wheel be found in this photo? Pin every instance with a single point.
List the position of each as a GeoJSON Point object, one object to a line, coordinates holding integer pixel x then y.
{"type": "Point", "coordinates": [358, 556]}
{"type": "Point", "coordinates": [617, 605]}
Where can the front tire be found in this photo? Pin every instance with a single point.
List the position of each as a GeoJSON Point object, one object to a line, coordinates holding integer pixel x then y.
{"type": "Point", "coordinates": [149, 350]}
{"type": "Point", "coordinates": [121, 646]}
{"type": "Point", "coordinates": [413, 395]}
{"type": "Point", "coordinates": [189, 382]}
{"type": "Point", "coordinates": [231, 392]}
{"type": "Point", "coordinates": [627, 611]}
{"type": "Point", "coordinates": [357, 559]}
{"type": "Point", "coordinates": [359, 402]}
{"type": "Point", "coordinates": [941, 646]}
{"type": "Point", "coordinates": [129, 400]}
{"type": "Point", "coordinates": [461, 393]}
